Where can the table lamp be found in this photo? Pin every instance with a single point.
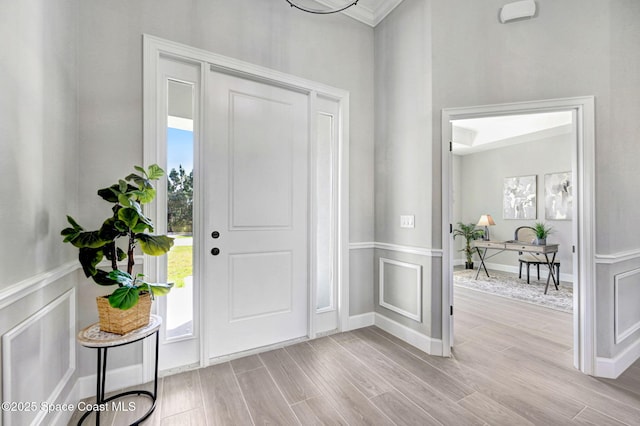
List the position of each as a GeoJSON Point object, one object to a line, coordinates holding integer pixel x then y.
{"type": "Point", "coordinates": [486, 220]}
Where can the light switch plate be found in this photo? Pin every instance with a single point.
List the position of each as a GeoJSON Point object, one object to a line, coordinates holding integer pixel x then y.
{"type": "Point", "coordinates": [407, 221]}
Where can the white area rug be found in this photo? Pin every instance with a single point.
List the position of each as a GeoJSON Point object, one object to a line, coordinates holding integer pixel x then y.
{"type": "Point", "coordinates": [509, 285]}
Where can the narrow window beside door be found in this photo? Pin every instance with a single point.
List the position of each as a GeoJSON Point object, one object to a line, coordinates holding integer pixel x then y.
{"type": "Point", "coordinates": [179, 167]}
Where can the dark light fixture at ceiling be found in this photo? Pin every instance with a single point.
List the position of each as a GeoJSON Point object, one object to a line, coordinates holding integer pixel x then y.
{"type": "Point", "coordinates": [294, 3]}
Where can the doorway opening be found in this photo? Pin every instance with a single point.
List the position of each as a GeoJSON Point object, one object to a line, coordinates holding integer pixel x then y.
{"type": "Point", "coordinates": [515, 202]}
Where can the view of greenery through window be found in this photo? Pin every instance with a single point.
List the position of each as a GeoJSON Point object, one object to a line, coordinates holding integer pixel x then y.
{"type": "Point", "coordinates": [180, 224]}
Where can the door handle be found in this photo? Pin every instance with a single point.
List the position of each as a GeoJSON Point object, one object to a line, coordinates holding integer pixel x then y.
{"type": "Point", "coordinates": [215, 251]}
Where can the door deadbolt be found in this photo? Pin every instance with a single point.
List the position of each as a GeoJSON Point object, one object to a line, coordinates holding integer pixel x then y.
{"type": "Point", "coordinates": [215, 234]}
{"type": "Point", "coordinates": [215, 251]}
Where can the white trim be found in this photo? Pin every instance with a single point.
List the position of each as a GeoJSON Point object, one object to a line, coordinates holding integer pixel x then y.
{"type": "Point", "coordinates": [180, 123]}
{"type": "Point", "coordinates": [422, 251]}
{"type": "Point", "coordinates": [425, 343]}
{"type": "Point", "coordinates": [118, 378]}
{"type": "Point", "coordinates": [360, 321]}
{"type": "Point", "coordinates": [613, 367]}
{"type": "Point", "coordinates": [153, 48]}
{"type": "Point", "coordinates": [362, 246]}
{"type": "Point", "coordinates": [584, 225]}
{"type": "Point", "coordinates": [364, 14]}
{"type": "Point", "coordinates": [417, 314]}
{"type": "Point", "coordinates": [7, 338]}
{"type": "Point", "coordinates": [622, 256]}
{"type": "Point", "coordinates": [12, 294]}
{"type": "Point", "coordinates": [622, 335]}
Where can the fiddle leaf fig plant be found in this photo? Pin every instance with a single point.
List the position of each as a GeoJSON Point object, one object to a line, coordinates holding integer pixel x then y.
{"type": "Point", "coordinates": [128, 223]}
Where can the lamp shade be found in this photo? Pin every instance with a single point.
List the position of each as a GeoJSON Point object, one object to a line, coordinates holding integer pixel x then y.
{"type": "Point", "coordinates": [485, 220]}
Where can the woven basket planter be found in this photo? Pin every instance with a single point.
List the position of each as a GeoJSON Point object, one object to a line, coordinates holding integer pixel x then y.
{"type": "Point", "coordinates": [118, 321]}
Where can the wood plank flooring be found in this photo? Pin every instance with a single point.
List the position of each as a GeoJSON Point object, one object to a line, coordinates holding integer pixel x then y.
{"type": "Point", "coordinates": [511, 365]}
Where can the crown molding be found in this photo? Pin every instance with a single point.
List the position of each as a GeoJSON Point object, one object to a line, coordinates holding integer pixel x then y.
{"type": "Point", "coordinates": [367, 12]}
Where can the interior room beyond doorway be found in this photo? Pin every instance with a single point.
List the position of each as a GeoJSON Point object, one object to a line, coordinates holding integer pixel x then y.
{"type": "Point", "coordinates": [519, 170]}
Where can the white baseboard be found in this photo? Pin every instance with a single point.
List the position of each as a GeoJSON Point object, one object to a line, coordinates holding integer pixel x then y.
{"type": "Point", "coordinates": [360, 321]}
{"type": "Point", "coordinates": [116, 379]}
{"type": "Point", "coordinates": [412, 337]}
{"type": "Point", "coordinates": [611, 368]}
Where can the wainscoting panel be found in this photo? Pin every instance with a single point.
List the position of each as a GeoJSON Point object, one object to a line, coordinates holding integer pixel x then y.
{"type": "Point", "coordinates": [401, 288]}
{"type": "Point", "coordinates": [39, 358]}
{"type": "Point", "coordinates": [626, 290]}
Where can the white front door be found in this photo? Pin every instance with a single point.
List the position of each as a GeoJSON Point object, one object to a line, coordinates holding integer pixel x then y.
{"type": "Point", "coordinates": [256, 160]}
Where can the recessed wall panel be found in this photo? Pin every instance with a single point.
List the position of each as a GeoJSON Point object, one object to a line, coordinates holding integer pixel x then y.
{"type": "Point", "coordinates": [400, 287]}
{"type": "Point", "coordinates": [627, 296]}
{"type": "Point", "coordinates": [260, 284]}
{"type": "Point", "coordinates": [261, 168]}
{"type": "Point", "coordinates": [47, 338]}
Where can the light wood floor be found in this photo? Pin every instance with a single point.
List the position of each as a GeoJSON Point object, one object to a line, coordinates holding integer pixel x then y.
{"type": "Point", "coordinates": [512, 365]}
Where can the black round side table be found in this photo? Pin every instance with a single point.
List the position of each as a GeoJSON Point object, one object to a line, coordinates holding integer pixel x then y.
{"type": "Point", "coordinates": [92, 337]}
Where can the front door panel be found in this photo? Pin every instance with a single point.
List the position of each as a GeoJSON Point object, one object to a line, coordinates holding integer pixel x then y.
{"type": "Point", "coordinates": [257, 199]}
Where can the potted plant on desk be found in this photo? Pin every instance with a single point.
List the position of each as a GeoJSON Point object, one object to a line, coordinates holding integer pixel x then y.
{"type": "Point", "coordinates": [129, 306]}
{"type": "Point", "coordinates": [469, 232]}
{"type": "Point", "coordinates": [542, 232]}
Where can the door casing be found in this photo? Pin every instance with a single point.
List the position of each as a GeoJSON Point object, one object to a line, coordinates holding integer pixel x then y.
{"type": "Point", "coordinates": [153, 49]}
{"type": "Point", "coordinates": [584, 172]}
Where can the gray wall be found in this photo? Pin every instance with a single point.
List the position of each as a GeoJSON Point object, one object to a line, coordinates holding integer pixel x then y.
{"type": "Point", "coordinates": [38, 187]}
{"type": "Point", "coordinates": [481, 189]}
{"type": "Point", "coordinates": [403, 176]}
{"type": "Point", "coordinates": [38, 134]}
{"type": "Point", "coordinates": [432, 55]}
{"type": "Point", "coordinates": [572, 48]}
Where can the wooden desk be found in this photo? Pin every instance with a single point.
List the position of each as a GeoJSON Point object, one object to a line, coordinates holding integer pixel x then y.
{"type": "Point", "coordinates": [546, 250]}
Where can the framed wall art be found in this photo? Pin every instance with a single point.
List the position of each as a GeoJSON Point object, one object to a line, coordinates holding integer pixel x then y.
{"type": "Point", "coordinates": [558, 196]}
{"type": "Point", "coordinates": [519, 198]}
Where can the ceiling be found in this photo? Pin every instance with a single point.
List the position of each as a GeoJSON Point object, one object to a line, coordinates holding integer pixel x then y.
{"type": "Point", "coordinates": [481, 134]}
{"type": "Point", "coordinates": [370, 12]}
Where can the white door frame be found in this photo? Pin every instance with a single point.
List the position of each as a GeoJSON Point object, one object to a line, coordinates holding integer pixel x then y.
{"type": "Point", "coordinates": [153, 49]}
{"type": "Point", "coordinates": [583, 171]}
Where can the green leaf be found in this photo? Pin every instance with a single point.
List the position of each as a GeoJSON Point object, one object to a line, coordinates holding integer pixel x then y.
{"type": "Point", "coordinates": [140, 169]}
{"type": "Point", "coordinates": [73, 223]}
{"type": "Point", "coordinates": [154, 245]}
{"type": "Point", "coordinates": [121, 226]}
{"type": "Point", "coordinates": [123, 186]}
{"type": "Point", "coordinates": [145, 195]}
{"type": "Point", "coordinates": [89, 259]}
{"type": "Point", "coordinates": [109, 231]}
{"type": "Point", "coordinates": [155, 172]}
{"type": "Point", "coordinates": [89, 239]}
{"type": "Point", "coordinates": [129, 216]}
{"type": "Point", "coordinates": [110, 194]}
{"type": "Point", "coordinates": [139, 180]}
{"type": "Point", "coordinates": [122, 255]}
{"type": "Point", "coordinates": [142, 226]}
{"type": "Point", "coordinates": [70, 234]}
{"type": "Point", "coordinates": [160, 289]}
{"type": "Point", "coordinates": [102, 278]}
{"type": "Point", "coordinates": [124, 200]}
{"type": "Point", "coordinates": [124, 298]}
{"type": "Point", "coordinates": [121, 277]}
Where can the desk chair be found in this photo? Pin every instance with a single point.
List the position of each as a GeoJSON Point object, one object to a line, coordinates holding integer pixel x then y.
{"type": "Point", "coordinates": [527, 234]}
